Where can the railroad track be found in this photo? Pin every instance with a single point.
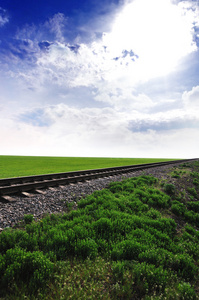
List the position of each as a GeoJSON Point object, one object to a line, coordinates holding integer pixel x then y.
{"type": "Point", "coordinates": [23, 185]}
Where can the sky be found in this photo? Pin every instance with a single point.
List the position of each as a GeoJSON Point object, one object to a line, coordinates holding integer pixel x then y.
{"type": "Point", "coordinates": [109, 78]}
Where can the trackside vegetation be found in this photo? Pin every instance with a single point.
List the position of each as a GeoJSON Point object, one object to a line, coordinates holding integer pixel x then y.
{"type": "Point", "coordinates": [137, 239]}
{"type": "Point", "coordinates": [15, 166]}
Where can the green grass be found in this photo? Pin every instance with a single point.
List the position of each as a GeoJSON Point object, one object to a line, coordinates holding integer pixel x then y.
{"type": "Point", "coordinates": [123, 242]}
{"type": "Point", "coordinates": [15, 166]}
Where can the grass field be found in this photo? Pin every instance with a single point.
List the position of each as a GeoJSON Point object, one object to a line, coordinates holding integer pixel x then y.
{"type": "Point", "coordinates": [15, 166]}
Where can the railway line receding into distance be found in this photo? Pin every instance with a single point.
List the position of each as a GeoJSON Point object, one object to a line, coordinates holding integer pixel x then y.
{"type": "Point", "coordinates": [24, 185]}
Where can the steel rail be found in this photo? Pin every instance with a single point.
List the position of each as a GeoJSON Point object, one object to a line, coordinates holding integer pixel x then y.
{"type": "Point", "coordinates": [17, 185]}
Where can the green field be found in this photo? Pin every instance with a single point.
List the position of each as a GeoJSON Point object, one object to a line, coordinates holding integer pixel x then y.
{"type": "Point", "coordinates": [15, 166]}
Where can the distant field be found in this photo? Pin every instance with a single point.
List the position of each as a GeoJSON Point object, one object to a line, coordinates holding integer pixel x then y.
{"type": "Point", "coordinates": [15, 166]}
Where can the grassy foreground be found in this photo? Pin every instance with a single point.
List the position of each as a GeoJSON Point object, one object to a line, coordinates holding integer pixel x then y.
{"type": "Point", "coordinates": [15, 166]}
{"type": "Point", "coordinates": [137, 239]}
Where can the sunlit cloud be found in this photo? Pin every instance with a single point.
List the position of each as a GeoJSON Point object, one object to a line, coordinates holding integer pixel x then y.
{"type": "Point", "coordinates": [159, 32]}
{"type": "Point", "coordinates": [142, 44]}
{"type": "Point", "coordinates": [43, 74]}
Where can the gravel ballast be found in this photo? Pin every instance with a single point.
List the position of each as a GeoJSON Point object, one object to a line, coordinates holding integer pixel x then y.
{"type": "Point", "coordinates": [55, 200]}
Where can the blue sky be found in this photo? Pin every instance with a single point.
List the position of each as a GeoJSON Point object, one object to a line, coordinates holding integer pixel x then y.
{"type": "Point", "coordinates": [117, 78]}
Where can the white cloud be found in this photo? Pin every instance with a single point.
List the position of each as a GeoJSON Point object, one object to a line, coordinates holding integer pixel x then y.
{"type": "Point", "coordinates": [3, 17]}
{"type": "Point", "coordinates": [53, 29]}
{"type": "Point", "coordinates": [20, 137]}
{"type": "Point", "coordinates": [56, 25]}
{"type": "Point", "coordinates": [84, 67]}
{"type": "Point", "coordinates": [69, 131]}
{"type": "Point", "coordinates": [123, 99]}
{"type": "Point", "coordinates": [191, 99]}
{"type": "Point", "coordinates": [147, 39]}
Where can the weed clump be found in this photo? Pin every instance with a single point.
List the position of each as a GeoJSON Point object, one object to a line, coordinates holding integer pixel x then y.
{"type": "Point", "coordinates": [186, 291]}
{"type": "Point", "coordinates": [192, 192]}
{"type": "Point", "coordinates": [147, 278]}
{"type": "Point", "coordinates": [193, 205]}
{"type": "Point", "coordinates": [169, 189]}
{"type": "Point", "coordinates": [18, 265]}
{"type": "Point", "coordinates": [28, 218]}
{"type": "Point", "coordinates": [178, 208]}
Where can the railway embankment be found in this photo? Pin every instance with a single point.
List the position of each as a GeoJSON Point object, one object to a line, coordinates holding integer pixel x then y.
{"type": "Point", "coordinates": [61, 199]}
{"type": "Point", "coordinates": [134, 237]}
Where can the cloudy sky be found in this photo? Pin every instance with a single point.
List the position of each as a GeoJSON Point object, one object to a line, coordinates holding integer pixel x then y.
{"type": "Point", "coordinates": [115, 78]}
